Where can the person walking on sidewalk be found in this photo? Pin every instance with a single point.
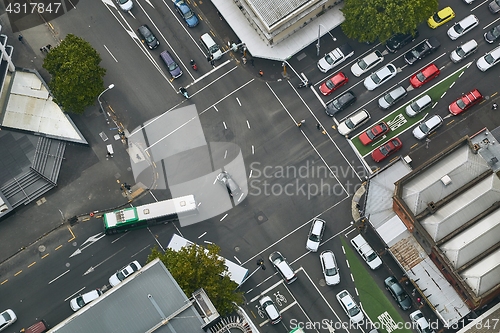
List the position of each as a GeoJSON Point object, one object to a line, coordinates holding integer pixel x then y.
{"type": "Point", "coordinates": [261, 73]}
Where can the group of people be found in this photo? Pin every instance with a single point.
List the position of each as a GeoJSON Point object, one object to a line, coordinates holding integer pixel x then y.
{"type": "Point", "coordinates": [45, 48]}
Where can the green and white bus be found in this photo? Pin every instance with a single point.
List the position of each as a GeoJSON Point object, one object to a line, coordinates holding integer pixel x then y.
{"type": "Point", "coordinates": [147, 215]}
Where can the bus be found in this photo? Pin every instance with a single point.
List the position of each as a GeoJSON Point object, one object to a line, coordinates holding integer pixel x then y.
{"type": "Point", "coordinates": [147, 215]}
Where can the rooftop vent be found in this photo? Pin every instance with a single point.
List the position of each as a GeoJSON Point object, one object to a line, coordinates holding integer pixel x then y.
{"type": "Point", "coordinates": [431, 207]}
{"type": "Point", "coordinates": [446, 180]}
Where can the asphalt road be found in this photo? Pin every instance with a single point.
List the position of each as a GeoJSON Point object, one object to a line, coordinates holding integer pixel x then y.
{"type": "Point", "coordinates": [235, 105]}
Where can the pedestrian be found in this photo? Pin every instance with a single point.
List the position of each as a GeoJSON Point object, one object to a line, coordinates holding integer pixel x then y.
{"type": "Point", "coordinates": [48, 47]}
{"type": "Point", "coordinates": [261, 73]}
{"type": "Point", "coordinates": [494, 106]}
{"type": "Point", "coordinates": [42, 49]}
{"type": "Point", "coordinates": [212, 62]}
{"type": "Point", "coordinates": [301, 122]}
{"type": "Point", "coordinates": [318, 126]}
{"type": "Point", "coordinates": [21, 38]}
{"type": "Point", "coordinates": [419, 299]}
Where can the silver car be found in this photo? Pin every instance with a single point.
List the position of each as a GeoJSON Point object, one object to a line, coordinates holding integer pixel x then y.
{"type": "Point", "coordinates": [79, 302]}
{"type": "Point", "coordinates": [463, 26]}
{"type": "Point", "coordinates": [463, 51]}
{"type": "Point", "coordinates": [489, 60]}
{"type": "Point", "coordinates": [315, 234]}
{"type": "Point", "coordinates": [353, 122]}
{"type": "Point", "coordinates": [392, 97]}
{"type": "Point", "coordinates": [380, 77]}
{"type": "Point", "coordinates": [329, 267]}
{"type": "Point", "coordinates": [427, 127]}
{"type": "Point", "coordinates": [366, 63]}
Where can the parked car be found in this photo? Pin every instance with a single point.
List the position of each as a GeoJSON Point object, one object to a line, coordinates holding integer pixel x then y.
{"type": "Point", "coordinates": [186, 13]}
{"type": "Point", "coordinates": [124, 273]}
{"type": "Point", "coordinates": [392, 97]}
{"type": "Point", "coordinates": [173, 68]}
{"type": "Point", "coordinates": [400, 40]}
{"type": "Point", "coordinates": [443, 16]}
{"type": "Point", "coordinates": [418, 105]}
{"type": "Point", "coordinates": [380, 77]}
{"type": "Point", "coordinates": [125, 5]}
{"type": "Point", "coordinates": [353, 122]}
{"type": "Point", "coordinates": [398, 293]}
{"type": "Point", "coordinates": [350, 307]}
{"type": "Point", "coordinates": [463, 51]}
{"type": "Point", "coordinates": [366, 63]}
{"type": "Point", "coordinates": [232, 188]}
{"type": "Point", "coordinates": [492, 35]}
{"type": "Point", "coordinates": [283, 267]}
{"type": "Point", "coordinates": [374, 133]}
{"type": "Point", "coordinates": [463, 26]}
{"type": "Point", "coordinates": [315, 234]}
{"type": "Point", "coordinates": [489, 60]}
{"type": "Point", "coordinates": [340, 103]}
{"type": "Point", "coordinates": [329, 268]}
{"type": "Point", "coordinates": [465, 102]}
{"type": "Point", "coordinates": [7, 318]}
{"type": "Point", "coordinates": [494, 6]}
{"type": "Point", "coordinates": [425, 128]}
{"type": "Point", "coordinates": [335, 58]}
{"type": "Point", "coordinates": [420, 323]}
{"type": "Point", "coordinates": [386, 150]}
{"type": "Point", "coordinates": [147, 37]}
{"type": "Point", "coordinates": [272, 312]}
{"type": "Point", "coordinates": [81, 300]}
{"type": "Point", "coordinates": [423, 49]}
{"type": "Point", "coordinates": [424, 75]}
{"type": "Point", "coordinates": [335, 82]}
{"type": "Point", "coordinates": [366, 252]}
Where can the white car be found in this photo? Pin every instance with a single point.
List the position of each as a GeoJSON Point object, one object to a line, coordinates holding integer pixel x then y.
{"type": "Point", "coordinates": [335, 57]}
{"type": "Point", "coordinates": [463, 51]}
{"type": "Point", "coordinates": [489, 60]}
{"type": "Point", "coordinates": [380, 77]}
{"type": "Point", "coordinates": [79, 302]}
{"type": "Point", "coordinates": [427, 127]}
{"type": "Point", "coordinates": [366, 63]}
{"type": "Point", "coordinates": [329, 267]}
{"type": "Point", "coordinates": [123, 273]}
{"type": "Point", "coordinates": [7, 318]}
{"type": "Point", "coordinates": [353, 122]}
{"type": "Point", "coordinates": [315, 234]}
{"type": "Point", "coordinates": [463, 26]}
{"type": "Point", "coordinates": [125, 5]}
{"type": "Point", "coordinates": [420, 323]}
{"type": "Point", "coordinates": [351, 309]}
{"type": "Point", "coordinates": [272, 312]}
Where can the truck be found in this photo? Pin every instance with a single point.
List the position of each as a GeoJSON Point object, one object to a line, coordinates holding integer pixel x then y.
{"type": "Point", "coordinates": [335, 57]}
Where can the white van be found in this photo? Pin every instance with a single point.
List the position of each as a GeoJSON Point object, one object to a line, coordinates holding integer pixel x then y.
{"type": "Point", "coordinates": [211, 46]}
{"type": "Point", "coordinates": [366, 252]}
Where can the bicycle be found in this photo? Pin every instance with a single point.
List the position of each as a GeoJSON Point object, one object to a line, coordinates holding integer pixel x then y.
{"type": "Point", "coordinates": [260, 311]}
{"type": "Point", "coordinates": [280, 299]}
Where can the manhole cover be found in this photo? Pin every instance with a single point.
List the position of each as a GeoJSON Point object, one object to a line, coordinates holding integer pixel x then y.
{"type": "Point", "coordinates": [237, 248]}
{"type": "Point", "coordinates": [261, 218]}
{"type": "Point", "coordinates": [41, 248]}
{"type": "Point", "coordinates": [322, 282]}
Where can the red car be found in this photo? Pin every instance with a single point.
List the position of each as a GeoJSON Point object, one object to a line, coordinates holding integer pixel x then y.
{"type": "Point", "coordinates": [333, 83]}
{"type": "Point", "coordinates": [389, 148]}
{"type": "Point", "coordinates": [424, 75]}
{"type": "Point", "coordinates": [374, 133]}
{"type": "Point", "coordinates": [465, 102]}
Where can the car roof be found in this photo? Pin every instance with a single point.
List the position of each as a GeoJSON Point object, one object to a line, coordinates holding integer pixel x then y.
{"type": "Point", "coordinates": [468, 20]}
{"type": "Point", "coordinates": [466, 47]}
{"type": "Point", "coordinates": [398, 91]}
{"type": "Point", "coordinates": [285, 269]}
{"type": "Point", "coordinates": [328, 258]}
{"type": "Point", "coordinates": [359, 116]}
{"type": "Point", "coordinates": [495, 53]}
{"type": "Point", "coordinates": [433, 121]}
{"type": "Point", "coordinates": [372, 57]}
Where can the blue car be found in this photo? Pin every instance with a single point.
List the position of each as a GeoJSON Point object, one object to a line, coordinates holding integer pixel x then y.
{"type": "Point", "coordinates": [186, 13]}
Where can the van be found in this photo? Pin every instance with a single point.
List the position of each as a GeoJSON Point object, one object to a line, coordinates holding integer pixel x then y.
{"type": "Point", "coordinates": [173, 68]}
{"type": "Point", "coordinates": [39, 327]}
{"type": "Point", "coordinates": [366, 252]}
{"type": "Point", "coordinates": [418, 106]}
{"type": "Point", "coordinates": [350, 307]}
{"type": "Point", "coordinates": [211, 46]}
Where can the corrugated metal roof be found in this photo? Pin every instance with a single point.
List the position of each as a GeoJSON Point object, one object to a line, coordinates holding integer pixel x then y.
{"type": "Point", "coordinates": [136, 305]}
{"type": "Point", "coordinates": [484, 275]}
{"type": "Point", "coordinates": [461, 165]}
{"type": "Point", "coordinates": [473, 241]}
{"type": "Point", "coordinates": [272, 11]}
{"type": "Point", "coordinates": [463, 208]}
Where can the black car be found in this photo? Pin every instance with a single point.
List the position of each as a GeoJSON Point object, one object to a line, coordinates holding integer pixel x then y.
{"type": "Point", "coordinates": [232, 188]}
{"type": "Point", "coordinates": [423, 49]}
{"type": "Point", "coordinates": [340, 103]}
{"type": "Point", "coordinates": [492, 35]}
{"type": "Point", "coordinates": [398, 41]}
{"type": "Point", "coordinates": [398, 293]}
{"type": "Point", "coordinates": [147, 37]}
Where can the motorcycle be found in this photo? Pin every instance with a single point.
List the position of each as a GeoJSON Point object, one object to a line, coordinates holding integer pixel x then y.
{"type": "Point", "coordinates": [193, 65]}
{"type": "Point", "coordinates": [184, 92]}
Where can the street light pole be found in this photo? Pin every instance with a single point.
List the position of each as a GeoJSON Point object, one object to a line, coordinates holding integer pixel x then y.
{"type": "Point", "coordinates": [304, 81]}
{"type": "Point", "coordinates": [111, 86]}
{"type": "Point", "coordinates": [319, 37]}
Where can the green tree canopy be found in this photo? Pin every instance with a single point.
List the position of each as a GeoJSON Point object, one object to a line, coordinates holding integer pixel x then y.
{"type": "Point", "coordinates": [197, 267]}
{"type": "Point", "coordinates": [367, 21]}
{"type": "Point", "coordinates": [77, 78]}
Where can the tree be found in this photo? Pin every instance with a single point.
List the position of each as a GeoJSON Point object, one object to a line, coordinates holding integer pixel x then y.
{"type": "Point", "coordinates": [367, 21]}
{"type": "Point", "coordinates": [77, 78]}
{"type": "Point", "coordinates": [196, 267]}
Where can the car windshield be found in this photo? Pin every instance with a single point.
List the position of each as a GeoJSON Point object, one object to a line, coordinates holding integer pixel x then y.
{"type": "Point", "coordinates": [421, 77]}
{"type": "Point", "coordinates": [437, 18]}
{"type": "Point", "coordinates": [384, 150]}
{"type": "Point", "coordinates": [458, 28]}
{"type": "Point", "coordinates": [371, 134]}
{"type": "Point", "coordinates": [489, 59]}
{"type": "Point", "coordinates": [362, 64]}
{"type": "Point", "coordinates": [415, 53]}
{"type": "Point", "coordinates": [172, 66]}
{"type": "Point", "coordinates": [496, 32]}
{"type": "Point", "coordinates": [120, 276]}
{"type": "Point", "coordinates": [80, 301]}
{"type": "Point", "coordinates": [353, 311]}
{"type": "Point", "coordinates": [423, 127]}
{"type": "Point", "coordinates": [6, 316]}
{"type": "Point", "coordinates": [402, 297]}
{"type": "Point", "coordinates": [349, 123]}
{"type": "Point", "coordinates": [371, 257]}
{"type": "Point", "coordinates": [314, 238]}
{"type": "Point", "coordinates": [375, 78]}
{"type": "Point", "coordinates": [461, 104]}
{"type": "Point", "coordinates": [329, 59]}
{"type": "Point", "coordinates": [414, 107]}
{"type": "Point", "coordinates": [150, 38]}
{"type": "Point", "coordinates": [122, 2]}
{"type": "Point", "coordinates": [460, 52]}
{"type": "Point", "coordinates": [329, 84]}
{"type": "Point", "coordinates": [214, 48]}
{"type": "Point", "coordinates": [388, 98]}
{"type": "Point", "coordinates": [186, 12]}
{"type": "Point", "coordinates": [331, 271]}
{"type": "Point", "coordinates": [336, 104]}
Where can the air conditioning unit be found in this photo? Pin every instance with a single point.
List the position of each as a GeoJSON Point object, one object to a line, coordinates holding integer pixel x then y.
{"type": "Point", "coordinates": [446, 180]}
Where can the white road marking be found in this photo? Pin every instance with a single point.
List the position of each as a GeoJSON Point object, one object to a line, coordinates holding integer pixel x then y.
{"type": "Point", "coordinates": [111, 54]}
{"type": "Point", "coordinates": [238, 100]}
{"type": "Point", "coordinates": [248, 124]}
{"type": "Point", "coordinates": [203, 234]}
{"type": "Point", "coordinates": [57, 277]}
{"type": "Point", "coordinates": [222, 219]}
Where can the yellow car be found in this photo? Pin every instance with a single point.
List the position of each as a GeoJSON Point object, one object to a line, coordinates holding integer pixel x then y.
{"type": "Point", "coordinates": [444, 15]}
